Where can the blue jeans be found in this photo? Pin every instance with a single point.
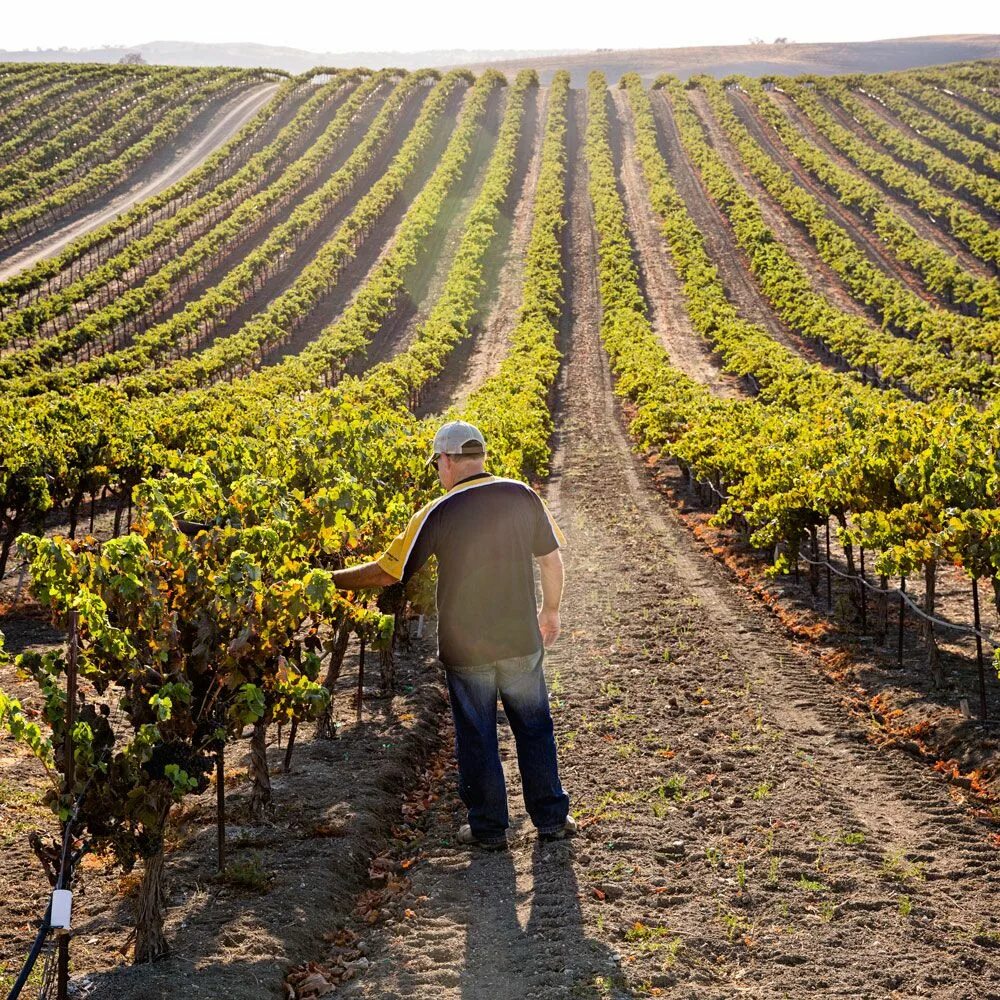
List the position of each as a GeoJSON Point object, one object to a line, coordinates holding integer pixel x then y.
{"type": "Point", "coordinates": [520, 682]}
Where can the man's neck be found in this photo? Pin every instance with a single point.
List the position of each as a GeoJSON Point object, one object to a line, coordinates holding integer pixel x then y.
{"type": "Point", "coordinates": [472, 475]}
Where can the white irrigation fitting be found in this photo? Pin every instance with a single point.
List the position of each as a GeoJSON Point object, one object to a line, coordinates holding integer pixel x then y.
{"type": "Point", "coordinates": [967, 629]}
{"type": "Point", "coordinates": [62, 909]}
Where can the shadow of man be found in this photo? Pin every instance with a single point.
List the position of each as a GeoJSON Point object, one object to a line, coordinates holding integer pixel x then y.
{"type": "Point", "coordinates": [550, 955]}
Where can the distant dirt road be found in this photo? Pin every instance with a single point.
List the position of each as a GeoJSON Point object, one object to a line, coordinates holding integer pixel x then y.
{"type": "Point", "coordinates": [223, 126]}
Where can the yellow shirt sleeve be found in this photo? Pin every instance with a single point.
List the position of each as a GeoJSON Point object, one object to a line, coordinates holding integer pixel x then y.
{"type": "Point", "coordinates": [393, 560]}
{"type": "Point", "coordinates": [556, 530]}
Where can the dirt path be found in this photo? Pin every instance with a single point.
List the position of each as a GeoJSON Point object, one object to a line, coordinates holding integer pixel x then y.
{"type": "Point", "coordinates": [97, 254]}
{"type": "Point", "coordinates": [664, 293]}
{"type": "Point", "coordinates": [474, 360]}
{"type": "Point", "coordinates": [437, 254]}
{"type": "Point", "coordinates": [740, 837]}
{"type": "Point", "coordinates": [235, 114]}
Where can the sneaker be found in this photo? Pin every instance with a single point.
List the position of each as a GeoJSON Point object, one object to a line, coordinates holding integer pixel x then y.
{"type": "Point", "coordinates": [466, 836]}
{"type": "Point", "coordinates": [570, 829]}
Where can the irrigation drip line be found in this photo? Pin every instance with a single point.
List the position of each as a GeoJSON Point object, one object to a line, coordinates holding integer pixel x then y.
{"type": "Point", "coordinates": [966, 629]}
{"type": "Point", "coordinates": [67, 863]}
{"type": "Point", "coordinates": [19, 568]}
{"type": "Point", "coordinates": [36, 948]}
{"type": "Point", "coordinates": [857, 578]}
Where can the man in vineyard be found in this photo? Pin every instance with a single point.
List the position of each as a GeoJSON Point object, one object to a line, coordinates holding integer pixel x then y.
{"type": "Point", "coordinates": [485, 531]}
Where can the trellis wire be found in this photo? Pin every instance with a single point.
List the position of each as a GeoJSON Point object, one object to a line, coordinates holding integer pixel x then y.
{"type": "Point", "coordinates": [905, 600]}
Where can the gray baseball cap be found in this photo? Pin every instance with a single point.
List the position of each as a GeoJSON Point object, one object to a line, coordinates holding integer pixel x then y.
{"type": "Point", "coordinates": [458, 438]}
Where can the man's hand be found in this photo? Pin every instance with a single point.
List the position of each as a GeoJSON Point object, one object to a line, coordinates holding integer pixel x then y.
{"type": "Point", "coordinates": [549, 625]}
{"type": "Point", "coordinates": [550, 568]}
{"type": "Point", "coordinates": [359, 577]}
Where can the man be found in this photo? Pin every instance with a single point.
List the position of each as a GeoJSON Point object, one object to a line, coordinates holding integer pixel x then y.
{"type": "Point", "coordinates": [485, 531]}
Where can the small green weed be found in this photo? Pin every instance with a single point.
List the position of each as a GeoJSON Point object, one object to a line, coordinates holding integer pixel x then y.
{"type": "Point", "coordinates": [896, 868]}
{"type": "Point", "coordinates": [741, 875]}
{"type": "Point", "coordinates": [810, 886]}
{"type": "Point", "coordinates": [734, 924]}
{"type": "Point", "coordinates": [611, 690]}
{"type": "Point", "coordinates": [653, 939]}
{"type": "Point", "coordinates": [772, 871]}
{"type": "Point", "coordinates": [249, 874]}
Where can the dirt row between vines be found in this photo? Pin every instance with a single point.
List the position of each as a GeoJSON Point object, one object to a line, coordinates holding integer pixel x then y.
{"type": "Point", "coordinates": [663, 289]}
{"type": "Point", "coordinates": [478, 357]}
{"type": "Point", "coordinates": [905, 696]}
{"type": "Point", "coordinates": [855, 225]}
{"type": "Point", "coordinates": [740, 836]}
{"type": "Point", "coordinates": [734, 272]}
{"type": "Point", "coordinates": [201, 281]}
{"type": "Point", "coordinates": [849, 121]}
{"type": "Point", "coordinates": [891, 117]}
{"type": "Point", "coordinates": [210, 129]}
{"type": "Point", "coordinates": [927, 229]}
{"type": "Point", "coordinates": [944, 120]}
{"type": "Point", "coordinates": [791, 234]}
{"type": "Point", "coordinates": [375, 245]}
{"type": "Point", "coordinates": [437, 253]}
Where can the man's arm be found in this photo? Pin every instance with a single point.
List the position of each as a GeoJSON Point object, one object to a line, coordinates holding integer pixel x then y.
{"type": "Point", "coordinates": [551, 571]}
{"type": "Point", "coordinates": [358, 577]}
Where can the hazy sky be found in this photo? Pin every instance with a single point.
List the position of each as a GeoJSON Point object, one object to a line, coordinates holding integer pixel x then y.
{"type": "Point", "coordinates": [409, 25]}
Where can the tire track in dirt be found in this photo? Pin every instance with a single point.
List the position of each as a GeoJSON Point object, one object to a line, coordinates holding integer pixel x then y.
{"type": "Point", "coordinates": [167, 168]}
{"type": "Point", "coordinates": [927, 229]}
{"type": "Point", "coordinates": [664, 293]}
{"type": "Point", "coordinates": [740, 836]}
{"type": "Point", "coordinates": [474, 360]}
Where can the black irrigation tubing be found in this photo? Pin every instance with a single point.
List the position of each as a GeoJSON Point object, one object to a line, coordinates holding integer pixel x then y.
{"type": "Point", "coordinates": [67, 863]}
{"type": "Point", "coordinates": [979, 633]}
{"type": "Point", "coordinates": [976, 631]}
{"type": "Point", "coordinates": [36, 950]}
{"type": "Point", "coordinates": [65, 869]}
